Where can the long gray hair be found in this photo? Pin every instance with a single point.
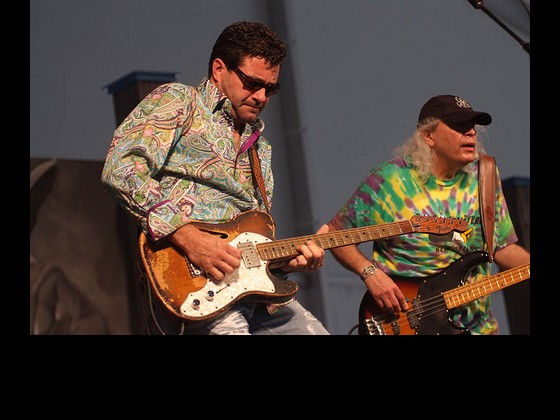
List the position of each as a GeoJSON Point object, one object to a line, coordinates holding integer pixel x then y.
{"type": "Point", "coordinates": [420, 154]}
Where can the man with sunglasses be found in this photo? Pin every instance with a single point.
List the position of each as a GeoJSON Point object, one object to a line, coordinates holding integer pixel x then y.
{"type": "Point", "coordinates": [191, 165]}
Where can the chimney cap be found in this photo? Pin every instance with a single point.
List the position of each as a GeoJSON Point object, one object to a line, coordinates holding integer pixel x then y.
{"type": "Point", "coordinates": [136, 76]}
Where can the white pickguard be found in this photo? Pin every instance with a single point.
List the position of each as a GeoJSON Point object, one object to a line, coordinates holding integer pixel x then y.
{"type": "Point", "coordinates": [251, 276]}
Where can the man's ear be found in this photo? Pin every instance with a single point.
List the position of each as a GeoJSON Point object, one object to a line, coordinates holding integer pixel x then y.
{"type": "Point", "coordinates": [428, 139]}
{"type": "Point", "coordinates": [218, 67]}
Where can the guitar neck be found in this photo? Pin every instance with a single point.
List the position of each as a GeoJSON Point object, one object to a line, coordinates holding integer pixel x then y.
{"type": "Point", "coordinates": [286, 248]}
{"type": "Point", "coordinates": [471, 291]}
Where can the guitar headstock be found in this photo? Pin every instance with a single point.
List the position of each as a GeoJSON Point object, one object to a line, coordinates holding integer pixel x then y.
{"type": "Point", "coordinates": [437, 225]}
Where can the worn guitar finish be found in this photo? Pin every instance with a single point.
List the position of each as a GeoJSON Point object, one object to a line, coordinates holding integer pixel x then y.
{"type": "Point", "coordinates": [190, 294]}
{"type": "Point", "coordinates": [432, 299]}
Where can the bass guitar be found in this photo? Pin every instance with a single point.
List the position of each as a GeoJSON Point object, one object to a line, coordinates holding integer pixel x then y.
{"type": "Point", "coordinates": [433, 299]}
{"type": "Point", "coordinates": [191, 294]}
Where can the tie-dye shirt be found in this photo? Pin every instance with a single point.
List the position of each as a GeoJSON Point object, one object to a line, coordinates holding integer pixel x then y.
{"type": "Point", "coordinates": [174, 160]}
{"type": "Point", "coordinates": [391, 192]}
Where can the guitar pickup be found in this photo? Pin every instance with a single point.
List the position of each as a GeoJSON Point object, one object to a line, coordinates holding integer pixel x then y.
{"type": "Point", "coordinates": [412, 316]}
{"type": "Point", "coordinates": [395, 326]}
{"type": "Point", "coordinates": [249, 254]}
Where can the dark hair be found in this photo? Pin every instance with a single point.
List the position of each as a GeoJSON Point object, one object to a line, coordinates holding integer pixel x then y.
{"type": "Point", "coordinates": [247, 39]}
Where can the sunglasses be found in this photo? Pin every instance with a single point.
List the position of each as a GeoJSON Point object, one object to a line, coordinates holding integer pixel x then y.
{"type": "Point", "coordinates": [254, 84]}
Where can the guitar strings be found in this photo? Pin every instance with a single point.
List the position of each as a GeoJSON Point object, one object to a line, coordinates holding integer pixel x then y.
{"type": "Point", "coordinates": [422, 224]}
{"type": "Point", "coordinates": [435, 304]}
{"type": "Point", "coordinates": [286, 247]}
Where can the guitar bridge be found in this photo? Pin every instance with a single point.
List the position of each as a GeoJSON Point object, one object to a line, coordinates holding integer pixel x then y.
{"type": "Point", "coordinates": [249, 254]}
{"type": "Point", "coordinates": [194, 271]}
{"type": "Point", "coordinates": [374, 327]}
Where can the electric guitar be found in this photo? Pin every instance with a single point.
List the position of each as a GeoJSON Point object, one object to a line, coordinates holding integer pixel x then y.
{"type": "Point", "coordinates": [191, 294]}
{"type": "Point", "coordinates": [434, 299]}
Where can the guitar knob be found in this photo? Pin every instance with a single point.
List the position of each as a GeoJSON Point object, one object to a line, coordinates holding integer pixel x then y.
{"type": "Point", "coordinates": [195, 304]}
{"type": "Point", "coordinates": [210, 295]}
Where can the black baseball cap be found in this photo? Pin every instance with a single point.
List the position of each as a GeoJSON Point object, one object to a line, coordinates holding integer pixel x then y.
{"type": "Point", "coordinates": [453, 109]}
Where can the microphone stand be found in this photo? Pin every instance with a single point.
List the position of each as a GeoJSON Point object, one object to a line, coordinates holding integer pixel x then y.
{"type": "Point", "coordinates": [478, 4]}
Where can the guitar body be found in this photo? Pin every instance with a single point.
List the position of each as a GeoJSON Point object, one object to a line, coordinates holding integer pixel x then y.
{"type": "Point", "coordinates": [191, 294]}
{"type": "Point", "coordinates": [428, 312]}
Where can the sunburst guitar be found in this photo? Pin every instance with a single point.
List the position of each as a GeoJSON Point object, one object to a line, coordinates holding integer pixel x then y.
{"type": "Point", "coordinates": [433, 300]}
{"type": "Point", "coordinates": [191, 294]}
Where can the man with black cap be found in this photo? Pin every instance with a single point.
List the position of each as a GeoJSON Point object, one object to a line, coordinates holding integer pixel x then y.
{"type": "Point", "coordinates": [434, 174]}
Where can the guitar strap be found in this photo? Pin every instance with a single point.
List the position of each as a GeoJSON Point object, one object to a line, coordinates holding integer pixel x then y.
{"type": "Point", "coordinates": [487, 197]}
{"type": "Point", "coordinates": [257, 174]}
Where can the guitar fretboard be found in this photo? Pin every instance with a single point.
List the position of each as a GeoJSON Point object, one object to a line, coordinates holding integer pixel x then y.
{"type": "Point", "coordinates": [471, 291]}
{"type": "Point", "coordinates": [285, 248]}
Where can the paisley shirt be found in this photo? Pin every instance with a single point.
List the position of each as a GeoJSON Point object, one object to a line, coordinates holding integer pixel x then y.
{"type": "Point", "coordinates": [391, 192]}
{"type": "Point", "coordinates": [174, 160]}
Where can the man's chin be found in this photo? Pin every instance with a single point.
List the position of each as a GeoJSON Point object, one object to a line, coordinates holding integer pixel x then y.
{"type": "Point", "coordinates": [250, 118]}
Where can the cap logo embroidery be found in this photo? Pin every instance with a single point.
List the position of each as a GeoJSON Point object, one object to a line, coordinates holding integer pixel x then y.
{"type": "Point", "coordinates": [462, 103]}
